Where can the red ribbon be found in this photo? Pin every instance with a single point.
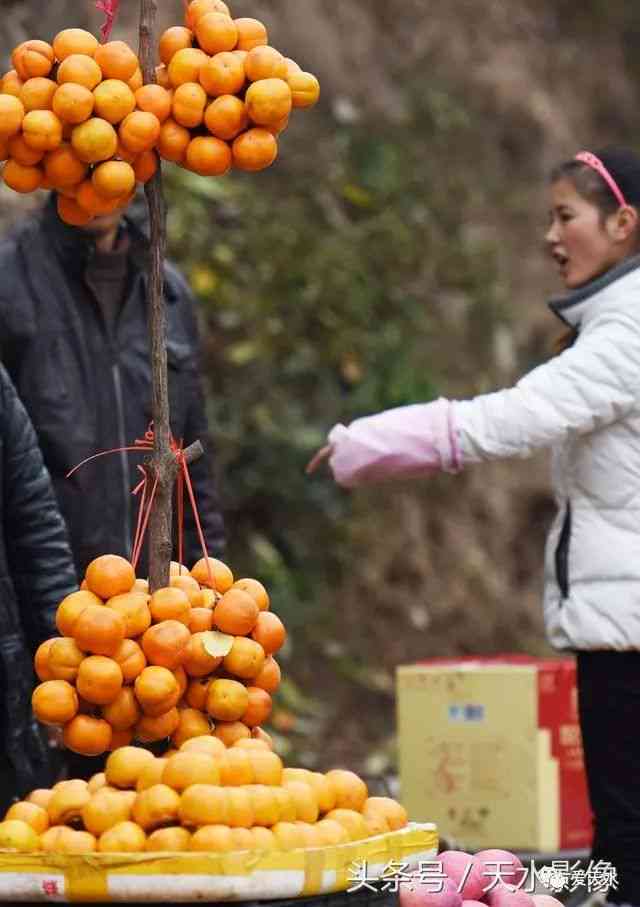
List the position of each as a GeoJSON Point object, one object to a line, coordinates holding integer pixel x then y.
{"type": "Point", "coordinates": [110, 9]}
{"type": "Point", "coordinates": [144, 445]}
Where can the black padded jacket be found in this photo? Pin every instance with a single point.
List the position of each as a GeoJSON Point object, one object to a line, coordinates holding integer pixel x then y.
{"type": "Point", "coordinates": [36, 572]}
{"type": "Point", "coordinates": [87, 388]}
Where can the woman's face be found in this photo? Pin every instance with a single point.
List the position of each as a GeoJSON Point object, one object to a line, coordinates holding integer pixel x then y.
{"type": "Point", "coordinates": [582, 245]}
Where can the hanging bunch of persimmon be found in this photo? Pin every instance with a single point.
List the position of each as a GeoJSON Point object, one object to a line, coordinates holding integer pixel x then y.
{"type": "Point", "coordinates": [194, 658]}
{"type": "Point", "coordinates": [229, 92]}
{"type": "Point", "coordinates": [76, 117]}
{"type": "Point", "coordinates": [70, 121]}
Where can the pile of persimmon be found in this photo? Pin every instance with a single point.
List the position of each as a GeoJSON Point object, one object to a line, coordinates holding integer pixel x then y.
{"type": "Point", "coordinates": [229, 92]}
{"type": "Point", "coordinates": [75, 117]}
{"type": "Point", "coordinates": [202, 797]}
{"type": "Point", "coordinates": [193, 658]}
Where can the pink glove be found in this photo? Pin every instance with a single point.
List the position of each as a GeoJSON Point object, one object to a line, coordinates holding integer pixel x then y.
{"type": "Point", "coordinates": [401, 443]}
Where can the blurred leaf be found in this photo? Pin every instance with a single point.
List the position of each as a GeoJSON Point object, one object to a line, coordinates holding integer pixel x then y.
{"type": "Point", "coordinates": [357, 195]}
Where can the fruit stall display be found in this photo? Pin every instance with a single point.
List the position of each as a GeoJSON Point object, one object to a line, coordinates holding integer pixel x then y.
{"type": "Point", "coordinates": [187, 666]}
{"type": "Point", "coordinates": [217, 813]}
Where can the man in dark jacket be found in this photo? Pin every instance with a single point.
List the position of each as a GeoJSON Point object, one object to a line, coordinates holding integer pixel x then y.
{"type": "Point", "coordinates": [74, 338]}
{"type": "Point", "coordinates": [36, 572]}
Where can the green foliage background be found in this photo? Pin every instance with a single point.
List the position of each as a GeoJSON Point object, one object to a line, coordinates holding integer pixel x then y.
{"type": "Point", "coordinates": [318, 282]}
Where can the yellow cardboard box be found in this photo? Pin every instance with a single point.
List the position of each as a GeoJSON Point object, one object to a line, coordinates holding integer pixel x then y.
{"type": "Point", "coordinates": [490, 750]}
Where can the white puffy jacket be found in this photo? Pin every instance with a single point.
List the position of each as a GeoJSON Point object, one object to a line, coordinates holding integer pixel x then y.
{"type": "Point", "coordinates": [585, 405]}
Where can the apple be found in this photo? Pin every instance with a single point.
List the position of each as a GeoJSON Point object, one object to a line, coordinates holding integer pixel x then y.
{"type": "Point", "coordinates": [436, 893]}
{"type": "Point", "coordinates": [465, 870]}
{"type": "Point", "coordinates": [546, 900]}
{"type": "Point", "coordinates": [501, 866]}
{"type": "Point", "coordinates": [501, 896]}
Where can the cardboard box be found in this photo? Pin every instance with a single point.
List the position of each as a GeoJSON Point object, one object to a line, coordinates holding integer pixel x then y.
{"type": "Point", "coordinates": [490, 750]}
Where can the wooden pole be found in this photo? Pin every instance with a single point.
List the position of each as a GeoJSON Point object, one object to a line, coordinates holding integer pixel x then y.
{"type": "Point", "coordinates": [162, 463]}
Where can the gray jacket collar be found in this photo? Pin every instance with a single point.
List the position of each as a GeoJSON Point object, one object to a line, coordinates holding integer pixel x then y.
{"type": "Point", "coordinates": [571, 307]}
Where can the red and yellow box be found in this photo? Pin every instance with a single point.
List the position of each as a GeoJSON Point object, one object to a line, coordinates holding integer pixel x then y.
{"type": "Point", "coordinates": [490, 750]}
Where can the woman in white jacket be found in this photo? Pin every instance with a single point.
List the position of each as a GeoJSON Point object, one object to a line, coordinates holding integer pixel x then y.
{"type": "Point", "coordinates": [585, 405]}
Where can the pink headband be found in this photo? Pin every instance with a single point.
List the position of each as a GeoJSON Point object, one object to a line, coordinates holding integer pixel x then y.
{"type": "Point", "coordinates": [586, 157]}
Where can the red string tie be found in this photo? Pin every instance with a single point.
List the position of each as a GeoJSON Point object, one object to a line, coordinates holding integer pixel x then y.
{"type": "Point", "coordinates": [183, 479]}
{"type": "Point", "coordinates": [110, 10]}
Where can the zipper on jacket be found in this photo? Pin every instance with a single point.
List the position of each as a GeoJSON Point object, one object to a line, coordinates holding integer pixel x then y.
{"type": "Point", "coordinates": [126, 509]}
{"type": "Point", "coordinates": [562, 553]}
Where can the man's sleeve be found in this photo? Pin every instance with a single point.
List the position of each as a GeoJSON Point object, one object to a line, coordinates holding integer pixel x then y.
{"type": "Point", "coordinates": [204, 484]}
{"type": "Point", "coordinates": [202, 471]}
{"type": "Point", "coordinates": [40, 561]}
{"type": "Point", "coordinates": [7, 341]}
